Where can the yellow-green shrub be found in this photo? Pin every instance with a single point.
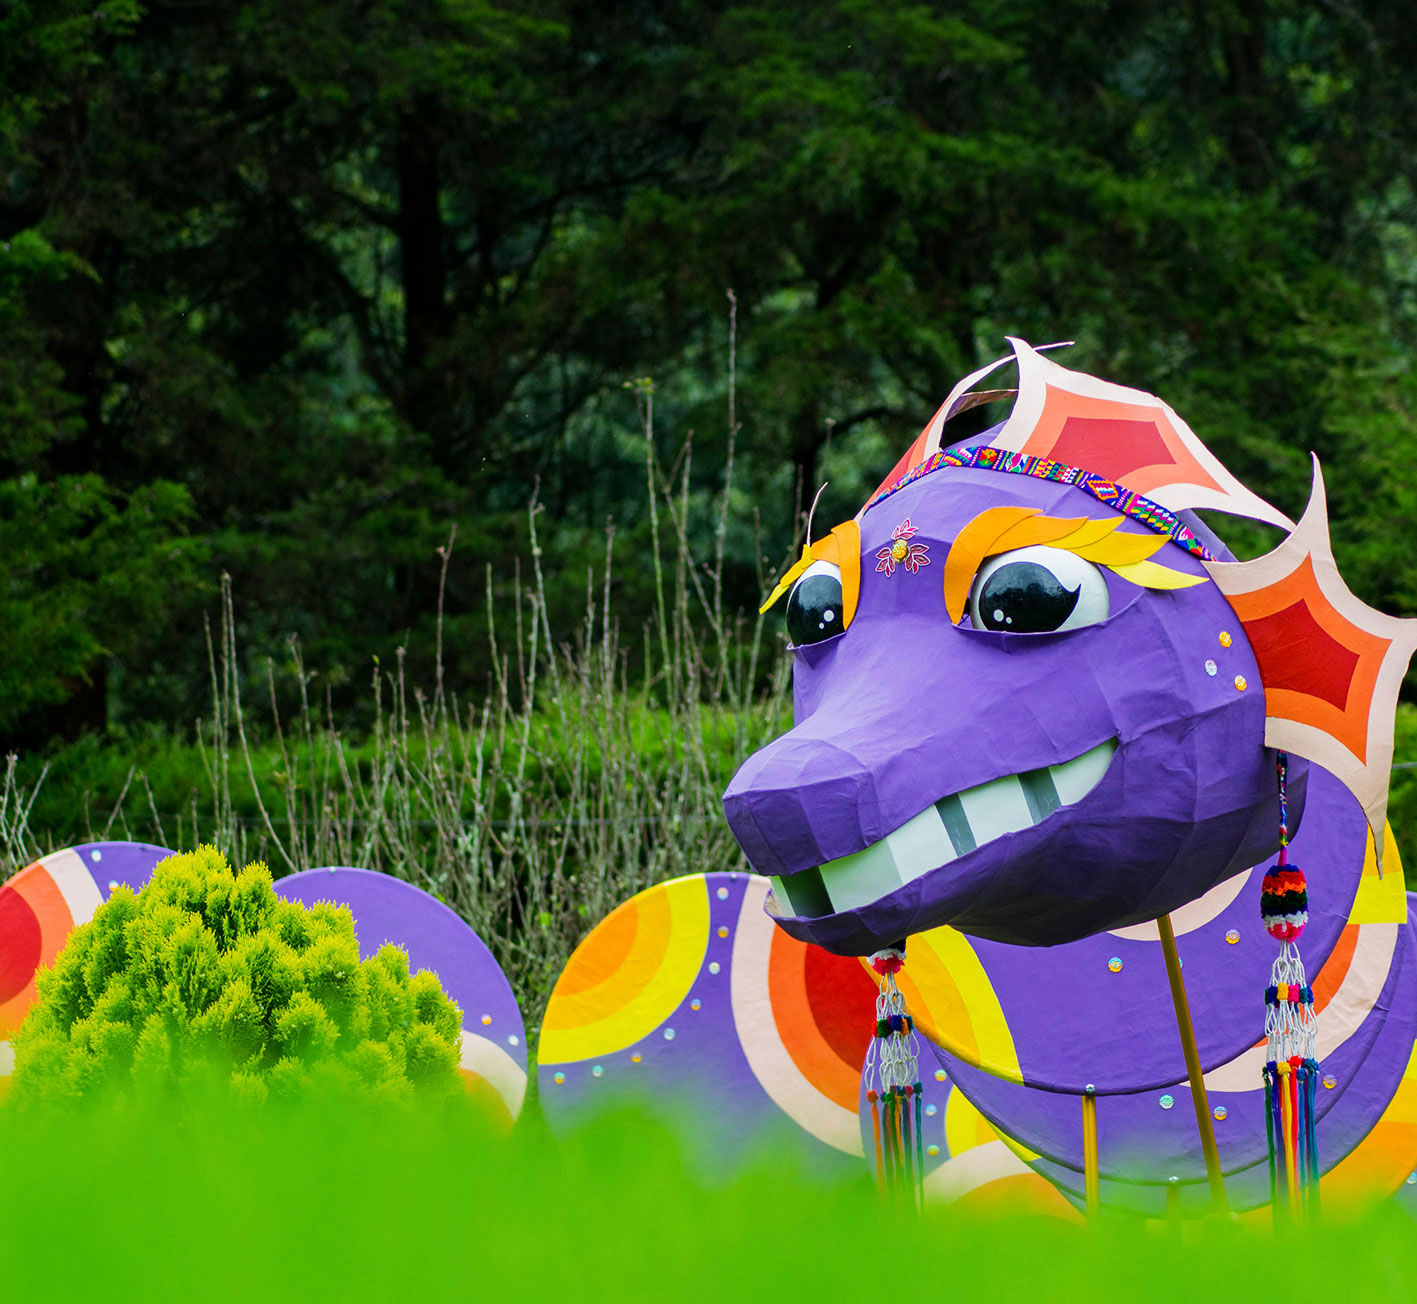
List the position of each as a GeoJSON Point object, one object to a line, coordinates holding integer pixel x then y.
{"type": "Point", "coordinates": [208, 974]}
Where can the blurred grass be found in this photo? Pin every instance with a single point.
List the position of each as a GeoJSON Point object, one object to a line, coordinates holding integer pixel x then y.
{"type": "Point", "coordinates": [313, 1203]}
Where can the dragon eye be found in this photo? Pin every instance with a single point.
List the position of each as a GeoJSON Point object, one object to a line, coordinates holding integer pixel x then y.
{"type": "Point", "coordinates": [1037, 590]}
{"type": "Point", "coordinates": [815, 605]}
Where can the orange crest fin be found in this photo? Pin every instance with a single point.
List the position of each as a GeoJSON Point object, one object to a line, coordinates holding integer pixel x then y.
{"type": "Point", "coordinates": [1127, 435]}
{"type": "Point", "coordinates": [1330, 664]}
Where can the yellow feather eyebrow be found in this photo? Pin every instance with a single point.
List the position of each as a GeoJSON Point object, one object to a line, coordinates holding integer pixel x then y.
{"type": "Point", "coordinates": [1003, 529]}
{"type": "Point", "coordinates": [1151, 576]}
{"type": "Point", "coordinates": [1116, 549]}
{"type": "Point", "coordinates": [1089, 532]}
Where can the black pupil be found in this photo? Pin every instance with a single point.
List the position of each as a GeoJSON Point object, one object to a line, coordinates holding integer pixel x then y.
{"type": "Point", "coordinates": [814, 610]}
{"type": "Point", "coordinates": [1025, 598]}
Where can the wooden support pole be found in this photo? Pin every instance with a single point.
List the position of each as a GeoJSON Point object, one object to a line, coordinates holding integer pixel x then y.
{"type": "Point", "coordinates": [1090, 1171]}
{"type": "Point", "coordinates": [1193, 1063]}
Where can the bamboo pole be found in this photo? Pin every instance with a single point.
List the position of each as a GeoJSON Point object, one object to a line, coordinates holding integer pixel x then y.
{"type": "Point", "coordinates": [1193, 1063]}
{"type": "Point", "coordinates": [1089, 1154]}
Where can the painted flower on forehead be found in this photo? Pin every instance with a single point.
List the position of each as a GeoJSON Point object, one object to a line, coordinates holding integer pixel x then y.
{"type": "Point", "coordinates": [900, 552]}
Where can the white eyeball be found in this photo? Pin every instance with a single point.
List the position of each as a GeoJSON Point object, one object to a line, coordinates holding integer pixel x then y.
{"type": "Point", "coordinates": [1038, 590]}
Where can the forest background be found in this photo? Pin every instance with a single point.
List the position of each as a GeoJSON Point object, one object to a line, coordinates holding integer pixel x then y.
{"type": "Point", "coordinates": [290, 290]}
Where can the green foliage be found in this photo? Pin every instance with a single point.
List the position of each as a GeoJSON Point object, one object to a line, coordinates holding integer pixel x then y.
{"type": "Point", "coordinates": [89, 572]}
{"type": "Point", "coordinates": [208, 975]}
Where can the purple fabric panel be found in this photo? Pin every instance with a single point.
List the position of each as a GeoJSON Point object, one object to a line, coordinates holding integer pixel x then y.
{"type": "Point", "coordinates": [387, 909]}
{"type": "Point", "coordinates": [113, 863]}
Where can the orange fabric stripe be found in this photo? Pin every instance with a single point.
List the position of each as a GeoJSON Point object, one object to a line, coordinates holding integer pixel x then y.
{"type": "Point", "coordinates": [43, 896]}
{"type": "Point", "coordinates": [1335, 968]}
{"type": "Point", "coordinates": [613, 942]}
{"type": "Point", "coordinates": [797, 1029]}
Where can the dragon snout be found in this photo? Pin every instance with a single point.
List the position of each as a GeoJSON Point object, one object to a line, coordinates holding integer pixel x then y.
{"type": "Point", "coordinates": [852, 844]}
{"type": "Point", "coordinates": [802, 801]}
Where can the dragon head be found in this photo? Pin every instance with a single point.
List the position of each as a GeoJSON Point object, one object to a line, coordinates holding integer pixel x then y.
{"type": "Point", "coordinates": [1035, 698]}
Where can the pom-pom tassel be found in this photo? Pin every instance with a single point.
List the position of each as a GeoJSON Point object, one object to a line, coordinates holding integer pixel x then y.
{"type": "Point", "coordinates": [1291, 1069]}
{"type": "Point", "coordinates": [892, 1077]}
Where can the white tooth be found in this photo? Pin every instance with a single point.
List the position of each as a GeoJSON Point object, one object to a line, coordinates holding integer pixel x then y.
{"type": "Point", "coordinates": [996, 808]}
{"type": "Point", "coordinates": [920, 845]}
{"type": "Point", "coordinates": [862, 877]}
{"type": "Point", "coordinates": [923, 844]}
{"type": "Point", "coordinates": [1076, 778]}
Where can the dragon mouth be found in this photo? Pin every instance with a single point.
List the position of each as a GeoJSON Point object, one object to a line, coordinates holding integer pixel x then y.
{"type": "Point", "coordinates": [951, 828]}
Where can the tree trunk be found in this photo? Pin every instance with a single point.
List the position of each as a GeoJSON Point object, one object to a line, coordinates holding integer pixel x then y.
{"type": "Point", "coordinates": [1246, 129]}
{"type": "Point", "coordinates": [424, 273]}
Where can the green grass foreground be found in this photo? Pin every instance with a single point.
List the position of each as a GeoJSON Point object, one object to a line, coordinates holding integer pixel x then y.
{"type": "Point", "coordinates": [315, 1203]}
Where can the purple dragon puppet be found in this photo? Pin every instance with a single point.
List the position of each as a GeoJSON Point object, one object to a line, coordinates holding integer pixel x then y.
{"type": "Point", "coordinates": [1037, 700]}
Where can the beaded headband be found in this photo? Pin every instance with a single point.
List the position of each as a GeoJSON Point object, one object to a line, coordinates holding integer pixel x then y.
{"type": "Point", "coordinates": [985, 458]}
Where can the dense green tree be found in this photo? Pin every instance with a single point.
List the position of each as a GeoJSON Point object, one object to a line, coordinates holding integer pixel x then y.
{"type": "Point", "coordinates": [353, 272]}
{"type": "Point", "coordinates": [91, 568]}
{"type": "Point", "coordinates": [207, 976]}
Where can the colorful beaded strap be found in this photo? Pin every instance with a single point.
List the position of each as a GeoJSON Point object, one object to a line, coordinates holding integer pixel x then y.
{"type": "Point", "coordinates": [984, 458]}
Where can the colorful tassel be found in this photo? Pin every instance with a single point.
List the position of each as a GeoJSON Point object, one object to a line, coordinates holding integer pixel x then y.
{"type": "Point", "coordinates": [1291, 1068]}
{"type": "Point", "coordinates": [892, 1076]}
{"type": "Point", "coordinates": [876, 1130]}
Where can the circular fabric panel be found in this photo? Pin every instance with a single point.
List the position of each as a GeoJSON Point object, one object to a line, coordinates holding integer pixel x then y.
{"type": "Point", "coordinates": [688, 1005]}
{"type": "Point", "coordinates": [387, 909]}
{"type": "Point", "coordinates": [43, 903]}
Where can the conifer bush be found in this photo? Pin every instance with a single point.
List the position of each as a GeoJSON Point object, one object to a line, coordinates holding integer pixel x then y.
{"type": "Point", "coordinates": [208, 976]}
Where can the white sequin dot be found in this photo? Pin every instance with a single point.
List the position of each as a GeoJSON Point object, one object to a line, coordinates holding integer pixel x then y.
{"type": "Point", "coordinates": [95, 856]}
{"type": "Point", "coordinates": [723, 894]}
{"type": "Point", "coordinates": [669, 1034]}
{"type": "Point", "coordinates": [714, 966]}
{"type": "Point", "coordinates": [514, 1040]}
{"type": "Point", "coordinates": [1211, 667]}
{"type": "Point", "coordinates": [932, 1110]}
